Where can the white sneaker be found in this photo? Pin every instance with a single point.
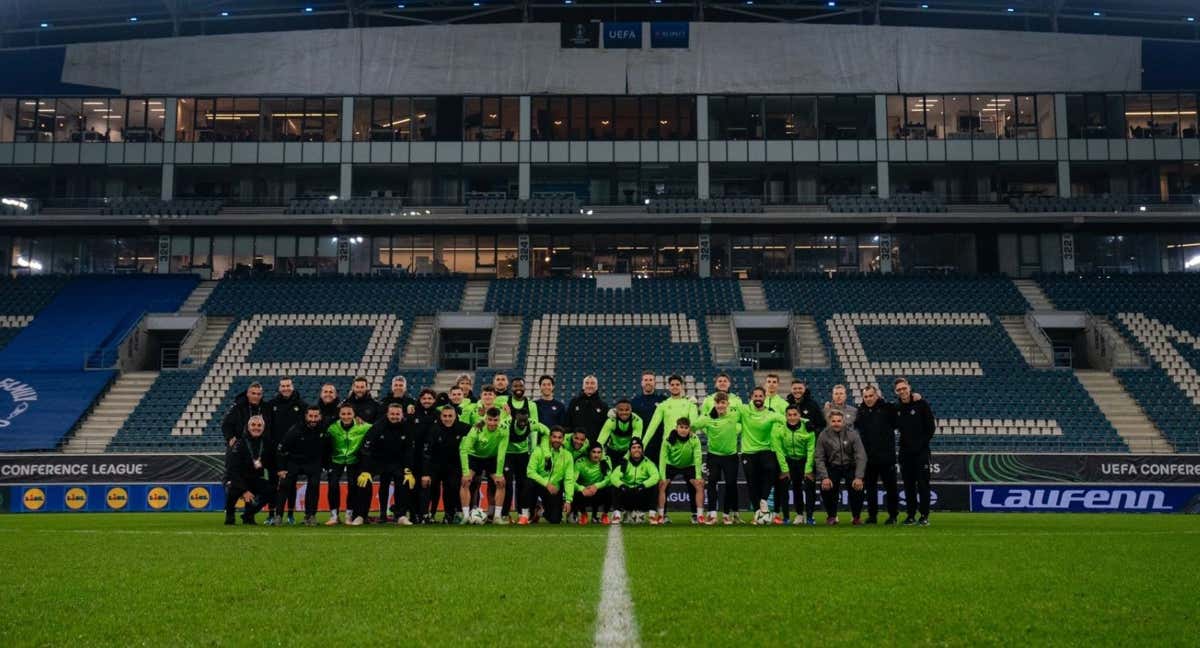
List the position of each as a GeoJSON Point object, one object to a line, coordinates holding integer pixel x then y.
{"type": "Point", "coordinates": [500, 519]}
{"type": "Point", "coordinates": [358, 521]}
{"type": "Point", "coordinates": [403, 521]}
{"type": "Point", "coordinates": [616, 518]}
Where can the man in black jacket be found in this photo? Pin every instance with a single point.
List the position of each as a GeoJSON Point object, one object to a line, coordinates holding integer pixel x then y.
{"type": "Point", "coordinates": [588, 410]}
{"type": "Point", "coordinates": [366, 408]}
{"type": "Point", "coordinates": [441, 468]}
{"type": "Point", "coordinates": [387, 453]}
{"type": "Point", "coordinates": [249, 461]}
{"type": "Point", "coordinates": [302, 452]}
{"type": "Point", "coordinates": [876, 424]}
{"type": "Point", "coordinates": [915, 421]}
{"type": "Point", "coordinates": [803, 400]}
{"type": "Point", "coordinates": [423, 418]}
{"type": "Point", "coordinates": [328, 403]}
{"type": "Point", "coordinates": [399, 394]}
{"type": "Point", "coordinates": [286, 411]}
{"type": "Point", "coordinates": [247, 404]}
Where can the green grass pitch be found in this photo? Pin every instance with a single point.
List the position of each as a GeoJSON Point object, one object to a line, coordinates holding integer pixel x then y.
{"type": "Point", "coordinates": [968, 580]}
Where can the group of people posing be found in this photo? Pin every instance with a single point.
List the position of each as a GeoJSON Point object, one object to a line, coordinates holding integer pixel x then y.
{"type": "Point", "coordinates": [584, 461]}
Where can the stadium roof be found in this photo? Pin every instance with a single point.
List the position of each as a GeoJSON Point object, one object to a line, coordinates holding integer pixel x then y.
{"type": "Point", "coordinates": [25, 23]}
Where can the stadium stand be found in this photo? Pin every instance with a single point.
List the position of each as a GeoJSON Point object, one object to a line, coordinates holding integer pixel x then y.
{"type": "Point", "coordinates": [918, 203]}
{"type": "Point", "coordinates": [153, 207]}
{"type": "Point", "coordinates": [349, 206]}
{"type": "Point", "coordinates": [83, 324]}
{"type": "Point", "coordinates": [21, 298]}
{"type": "Point", "coordinates": [1157, 314]}
{"type": "Point", "coordinates": [1099, 203]}
{"type": "Point", "coordinates": [944, 333]}
{"type": "Point", "coordinates": [567, 204]}
{"type": "Point", "coordinates": [704, 206]}
{"type": "Point", "coordinates": [317, 330]}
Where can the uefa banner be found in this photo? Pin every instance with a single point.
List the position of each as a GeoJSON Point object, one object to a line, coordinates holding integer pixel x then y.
{"type": "Point", "coordinates": [111, 468]}
{"type": "Point", "coordinates": [993, 468]}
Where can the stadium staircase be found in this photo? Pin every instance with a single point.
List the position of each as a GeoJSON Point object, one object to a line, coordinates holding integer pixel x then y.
{"type": "Point", "coordinates": [1018, 331]}
{"type": "Point", "coordinates": [444, 380]}
{"type": "Point", "coordinates": [215, 329]}
{"type": "Point", "coordinates": [808, 351]}
{"type": "Point", "coordinates": [1130, 421]}
{"type": "Point", "coordinates": [101, 425]}
{"type": "Point", "coordinates": [419, 351]}
{"type": "Point", "coordinates": [506, 341]}
{"type": "Point", "coordinates": [720, 339]}
{"type": "Point", "coordinates": [1033, 294]}
{"type": "Point", "coordinates": [753, 297]}
{"type": "Point", "coordinates": [474, 296]}
{"type": "Point", "coordinates": [200, 295]}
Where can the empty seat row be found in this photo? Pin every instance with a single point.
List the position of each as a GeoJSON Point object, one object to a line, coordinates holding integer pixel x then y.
{"type": "Point", "coordinates": [704, 206]}
{"type": "Point", "coordinates": [348, 206]}
{"type": "Point", "coordinates": [918, 203]}
{"type": "Point", "coordinates": [154, 207]}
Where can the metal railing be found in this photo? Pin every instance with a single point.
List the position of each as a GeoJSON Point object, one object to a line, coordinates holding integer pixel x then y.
{"type": "Point", "coordinates": [1042, 341]}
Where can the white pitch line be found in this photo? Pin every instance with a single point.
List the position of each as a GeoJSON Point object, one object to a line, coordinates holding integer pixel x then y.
{"type": "Point", "coordinates": [615, 624]}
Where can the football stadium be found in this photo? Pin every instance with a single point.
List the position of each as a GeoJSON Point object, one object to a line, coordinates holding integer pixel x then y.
{"type": "Point", "coordinates": [599, 323]}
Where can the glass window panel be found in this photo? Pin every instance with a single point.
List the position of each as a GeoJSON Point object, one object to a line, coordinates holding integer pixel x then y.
{"type": "Point", "coordinates": [246, 110]}
{"type": "Point", "coordinates": [754, 117]}
{"type": "Point", "coordinates": [381, 120]}
{"type": "Point", "coordinates": [1077, 117]}
{"type": "Point", "coordinates": [402, 251]}
{"type": "Point", "coordinates": [1115, 115]}
{"type": "Point", "coordinates": [1187, 114]}
{"type": "Point", "coordinates": [201, 252]}
{"type": "Point", "coordinates": [600, 118]}
{"type": "Point", "coordinates": [402, 118]}
{"type": "Point", "coordinates": [579, 118]}
{"type": "Point", "coordinates": [381, 251]}
{"type": "Point", "coordinates": [668, 118]}
{"type": "Point", "coordinates": [506, 256]}
{"type": "Point", "coordinates": [424, 119]}
{"type": "Point", "coordinates": [206, 120]}
{"type": "Point", "coordinates": [185, 116]}
{"type": "Point", "coordinates": [959, 124]}
{"type": "Point", "coordinates": [293, 122]}
{"type": "Point", "coordinates": [333, 120]}
{"type": "Point", "coordinates": [226, 122]}
{"type": "Point", "coordinates": [490, 116]}
{"type": "Point", "coordinates": [472, 118]}
{"type": "Point", "coordinates": [1045, 116]}
{"type": "Point", "coordinates": [116, 120]}
{"type": "Point", "coordinates": [935, 116]}
{"type": "Point", "coordinates": [67, 121]}
{"type": "Point", "coordinates": [780, 120]}
{"type": "Point", "coordinates": [914, 118]}
{"type": "Point", "coordinates": [362, 119]}
{"type": "Point", "coordinates": [8, 119]}
{"type": "Point", "coordinates": [485, 256]}
{"type": "Point", "coordinates": [625, 119]}
{"type": "Point", "coordinates": [986, 108]}
{"type": "Point", "coordinates": [26, 130]}
{"type": "Point", "coordinates": [312, 129]}
{"type": "Point", "coordinates": [156, 119]}
{"type": "Point", "coordinates": [650, 129]}
{"type": "Point", "coordinates": [1026, 118]}
{"type": "Point", "coordinates": [510, 117]}
{"type": "Point", "coordinates": [865, 116]}
{"type": "Point", "coordinates": [1138, 115]}
{"type": "Point", "coordinates": [687, 117]}
{"type": "Point", "coordinates": [45, 120]}
{"type": "Point", "coordinates": [718, 123]}
{"type": "Point", "coordinates": [1006, 117]}
{"type": "Point", "coordinates": [804, 115]}
{"type": "Point", "coordinates": [897, 117]}
{"type": "Point", "coordinates": [422, 255]}
{"type": "Point", "coordinates": [1166, 116]}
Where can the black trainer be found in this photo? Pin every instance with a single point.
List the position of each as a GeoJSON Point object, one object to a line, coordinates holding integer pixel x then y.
{"type": "Point", "coordinates": [870, 520]}
{"type": "Point", "coordinates": [908, 521]}
{"type": "Point", "coordinates": [924, 521]}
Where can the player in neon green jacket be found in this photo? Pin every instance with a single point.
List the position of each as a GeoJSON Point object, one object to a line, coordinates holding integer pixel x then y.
{"type": "Point", "coordinates": [680, 457]}
{"type": "Point", "coordinates": [345, 438]}
{"type": "Point", "coordinates": [666, 413]}
{"type": "Point", "coordinates": [617, 432]}
{"type": "Point", "coordinates": [773, 400]}
{"type": "Point", "coordinates": [722, 383]}
{"type": "Point", "coordinates": [482, 452]}
{"type": "Point", "coordinates": [578, 445]}
{"type": "Point", "coordinates": [758, 456]}
{"type": "Point", "coordinates": [796, 446]}
{"type": "Point", "coordinates": [593, 485]}
{"type": "Point", "coordinates": [635, 482]}
{"type": "Point", "coordinates": [473, 413]}
{"type": "Point", "coordinates": [524, 436]}
{"type": "Point", "coordinates": [552, 480]}
{"type": "Point", "coordinates": [722, 431]}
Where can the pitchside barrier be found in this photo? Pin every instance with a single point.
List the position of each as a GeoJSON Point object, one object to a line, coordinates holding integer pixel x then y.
{"type": "Point", "coordinates": [982, 482]}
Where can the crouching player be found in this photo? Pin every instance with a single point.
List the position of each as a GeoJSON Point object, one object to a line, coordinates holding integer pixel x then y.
{"type": "Point", "coordinates": [593, 474]}
{"type": "Point", "coordinates": [248, 462]}
{"type": "Point", "coordinates": [387, 452]}
{"type": "Point", "coordinates": [346, 436]}
{"type": "Point", "coordinates": [680, 457]}
{"type": "Point", "coordinates": [636, 484]}
{"type": "Point", "coordinates": [481, 455]}
{"type": "Point", "coordinates": [551, 479]}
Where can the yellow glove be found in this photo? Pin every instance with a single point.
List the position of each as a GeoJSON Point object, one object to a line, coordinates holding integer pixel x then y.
{"type": "Point", "coordinates": [409, 480]}
{"type": "Point", "coordinates": [364, 479]}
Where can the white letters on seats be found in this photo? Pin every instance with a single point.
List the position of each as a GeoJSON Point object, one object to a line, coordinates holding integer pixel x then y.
{"type": "Point", "coordinates": [1159, 339]}
{"type": "Point", "coordinates": [232, 363]}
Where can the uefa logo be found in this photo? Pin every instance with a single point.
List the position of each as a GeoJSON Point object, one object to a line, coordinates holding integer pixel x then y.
{"type": "Point", "coordinates": [22, 394]}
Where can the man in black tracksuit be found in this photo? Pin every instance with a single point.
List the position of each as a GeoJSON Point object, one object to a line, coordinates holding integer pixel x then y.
{"type": "Point", "coordinates": [915, 421]}
{"type": "Point", "coordinates": [876, 424]}
{"type": "Point", "coordinates": [809, 409]}
{"type": "Point", "coordinates": [328, 402]}
{"type": "Point", "coordinates": [441, 468]}
{"type": "Point", "coordinates": [424, 416]}
{"type": "Point", "coordinates": [366, 408]}
{"type": "Point", "coordinates": [246, 405]}
{"type": "Point", "coordinates": [644, 405]}
{"type": "Point", "coordinates": [387, 453]}
{"type": "Point", "coordinates": [399, 394]}
{"type": "Point", "coordinates": [302, 452]}
{"type": "Point", "coordinates": [286, 411]}
{"type": "Point", "coordinates": [249, 461]}
{"type": "Point", "coordinates": [588, 410]}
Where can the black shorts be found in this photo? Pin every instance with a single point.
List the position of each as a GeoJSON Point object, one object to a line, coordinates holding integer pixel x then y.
{"type": "Point", "coordinates": [687, 472]}
{"type": "Point", "coordinates": [481, 465]}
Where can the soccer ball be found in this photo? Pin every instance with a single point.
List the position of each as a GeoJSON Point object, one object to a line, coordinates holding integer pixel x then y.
{"type": "Point", "coordinates": [637, 517]}
{"type": "Point", "coordinates": [477, 516]}
{"type": "Point", "coordinates": [762, 517]}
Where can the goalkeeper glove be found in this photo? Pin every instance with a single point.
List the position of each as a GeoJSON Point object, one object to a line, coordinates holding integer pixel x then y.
{"type": "Point", "coordinates": [364, 479]}
{"type": "Point", "coordinates": [409, 480]}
